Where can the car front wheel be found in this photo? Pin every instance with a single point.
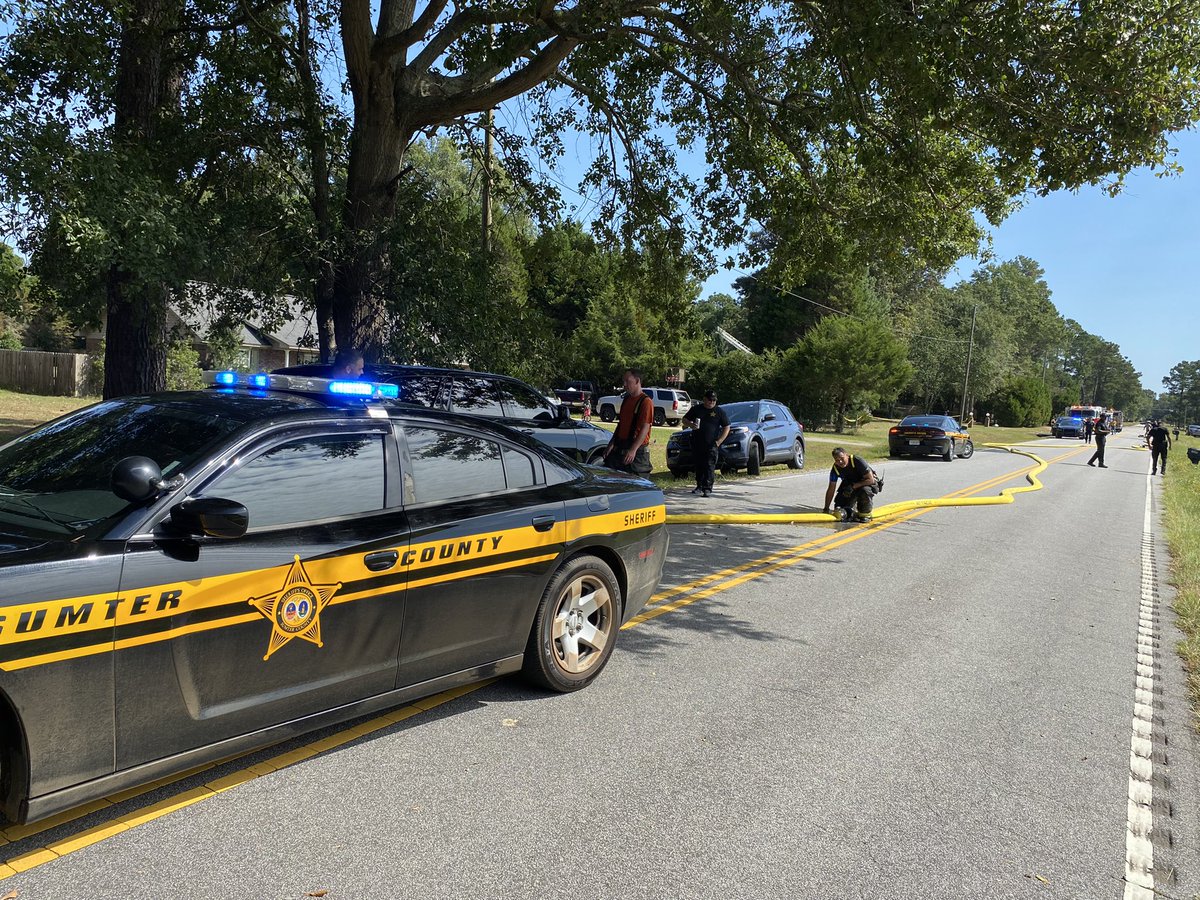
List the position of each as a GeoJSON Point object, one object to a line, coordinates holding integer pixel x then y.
{"type": "Point", "coordinates": [608, 412]}
{"type": "Point", "coordinates": [576, 626]}
{"type": "Point", "coordinates": [967, 450]}
{"type": "Point", "coordinates": [754, 459]}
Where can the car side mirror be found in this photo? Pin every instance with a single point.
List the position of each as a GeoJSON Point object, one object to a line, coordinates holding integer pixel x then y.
{"type": "Point", "coordinates": [769, 417]}
{"type": "Point", "coordinates": [211, 517]}
{"type": "Point", "coordinates": [564, 413]}
{"type": "Point", "coordinates": [136, 478]}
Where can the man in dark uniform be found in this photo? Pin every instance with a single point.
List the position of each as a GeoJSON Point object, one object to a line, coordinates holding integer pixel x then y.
{"type": "Point", "coordinates": [1101, 440]}
{"type": "Point", "coordinates": [857, 486]}
{"type": "Point", "coordinates": [710, 427]}
{"type": "Point", "coordinates": [1087, 430]}
{"type": "Point", "coordinates": [1160, 442]}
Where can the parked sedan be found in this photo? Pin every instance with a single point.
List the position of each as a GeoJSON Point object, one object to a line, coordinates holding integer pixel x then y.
{"type": "Point", "coordinates": [193, 575]}
{"type": "Point", "coordinates": [761, 432]}
{"type": "Point", "coordinates": [926, 435]}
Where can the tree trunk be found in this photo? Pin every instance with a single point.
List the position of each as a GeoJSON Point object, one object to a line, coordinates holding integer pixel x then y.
{"type": "Point", "coordinates": [135, 351]}
{"type": "Point", "coordinates": [843, 399]}
{"type": "Point", "coordinates": [314, 128]}
{"type": "Point", "coordinates": [377, 148]}
{"type": "Point", "coordinates": [148, 84]}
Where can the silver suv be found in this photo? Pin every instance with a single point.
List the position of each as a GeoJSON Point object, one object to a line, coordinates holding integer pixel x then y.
{"type": "Point", "coordinates": [670, 405]}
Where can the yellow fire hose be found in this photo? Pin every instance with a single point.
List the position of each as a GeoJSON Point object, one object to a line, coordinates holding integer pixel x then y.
{"type": "Point", "coordinates": [882, 512]}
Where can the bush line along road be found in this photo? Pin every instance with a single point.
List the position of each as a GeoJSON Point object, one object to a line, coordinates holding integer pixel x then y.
{"type": "Point", "coordinates": [801, 711]}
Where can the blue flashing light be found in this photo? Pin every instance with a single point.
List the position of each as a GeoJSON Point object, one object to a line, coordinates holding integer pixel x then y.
{"type": "Point", "coordinates": [227, 378]}
{"type": "Point", "coordinates": [259, 381]}
{"type": "Point", "coordinates": [388, 391]}
{"type": "Point", "coordinates": [352, 388]}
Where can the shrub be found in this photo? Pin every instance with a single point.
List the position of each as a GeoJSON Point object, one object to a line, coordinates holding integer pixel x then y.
{"type": "Point", "coordinates": [1022, 403]}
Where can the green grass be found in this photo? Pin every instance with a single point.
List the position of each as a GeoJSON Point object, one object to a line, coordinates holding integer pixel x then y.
{"type": "Point", "coordinates": [20, 412]}
{"type": "Point", "coordinates": [1181, 518]}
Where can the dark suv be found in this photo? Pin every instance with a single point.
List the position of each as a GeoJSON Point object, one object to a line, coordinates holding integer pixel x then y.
{"type": "Point", "coordinates": [494, 397]}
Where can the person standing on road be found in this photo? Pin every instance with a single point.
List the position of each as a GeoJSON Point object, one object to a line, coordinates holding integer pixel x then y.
{"type": "Point", "coordinates": [1160, 443]}
{"type": "Point", "coordinates": [855, 496]}
{"type": "Point", "coordinates": [710, 426]}
{"type": "Point", "coordinates": [629, 448]}
{"type": "Point", "coordinates": [1087, 430]}
{"type": "Point", "coordinates": [1101, 439]}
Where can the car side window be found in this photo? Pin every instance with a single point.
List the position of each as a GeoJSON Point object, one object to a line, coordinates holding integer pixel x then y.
{"type": "Point", "coordinates": [781, 412]}
{"type": "Point", "coordinates": [518, 469]}
{"type": "Point", "coordinates": [306, 479]}
{"type": "Point", "coordinates": [476, 396]}
{"type": "Point", "coordinates": [424, 390]}
{"type": "Point", "coordinates": [445, 465]}
{"type": "Point", "coordinates": [521, 402]}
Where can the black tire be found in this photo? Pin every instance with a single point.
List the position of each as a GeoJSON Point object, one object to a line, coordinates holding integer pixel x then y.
{"type": "Point", "coordinates": [583, 598]}
{"type": "Point", "coordinates": [894, 454]}
{"type": "Point", "coordinates": [672, 422]}
{"type": "Point", "coordinates": [796, 460]}
{"type": "Point", "coordinates": [754, 459]}
{"type": "Point", "coordinates": [608, 412]}
{"type": "Point", "coordinates": [596, 457]}
{"type": "Point", "coordinates": [660, 418]}
{"type": "Point", "coordinates": [948, 456]}
{"type": "Point", "coordinates": [968, 449]}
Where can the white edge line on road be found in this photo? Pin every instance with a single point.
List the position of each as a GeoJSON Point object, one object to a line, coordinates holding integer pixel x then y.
{"type": "Point", "coordinates": [1139, 823]}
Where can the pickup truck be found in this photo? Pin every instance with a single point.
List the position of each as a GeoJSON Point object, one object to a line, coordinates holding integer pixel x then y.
{"type": "Point", "coordinates": [575, 393]}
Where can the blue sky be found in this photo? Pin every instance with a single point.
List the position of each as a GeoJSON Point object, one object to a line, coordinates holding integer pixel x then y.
{"type": "Point", "coordinates": [1126, 268]}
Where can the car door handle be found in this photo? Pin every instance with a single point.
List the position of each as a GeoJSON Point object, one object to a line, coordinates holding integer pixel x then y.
{"type": "Point", "coordinates": [543, 523]}
{"type": "Point", "coordinates": [381, 561]}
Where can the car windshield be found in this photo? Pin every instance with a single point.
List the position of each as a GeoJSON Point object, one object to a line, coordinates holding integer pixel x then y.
{"type": "Point", "coordinates": [56, 478]}
{"type": "Point", "coordinates": [741, 412]}
{"type": "Point", "coordinates": [1069, 421]}
{"type": "Point", "coordinates": [923, 422]}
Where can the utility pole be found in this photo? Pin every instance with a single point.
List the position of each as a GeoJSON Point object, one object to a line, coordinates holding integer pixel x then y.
{"type": "Point", "coordinates": [967, 379]}
{"type": "Point", "coordinates": [486, 241]}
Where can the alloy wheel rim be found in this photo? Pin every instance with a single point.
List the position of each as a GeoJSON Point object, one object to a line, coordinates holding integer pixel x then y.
{"type": "Point", "coordinates": [583, 624]}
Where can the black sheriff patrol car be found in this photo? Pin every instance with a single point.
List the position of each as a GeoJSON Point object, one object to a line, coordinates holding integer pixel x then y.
{"type": "Point", "coordinates": [190, 575]}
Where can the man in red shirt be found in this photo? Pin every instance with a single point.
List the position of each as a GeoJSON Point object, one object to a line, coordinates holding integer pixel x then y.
{"type": "Point", "coordinates": [628, 450]}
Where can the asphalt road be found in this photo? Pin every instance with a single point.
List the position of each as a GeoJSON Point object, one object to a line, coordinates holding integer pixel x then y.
{"type": "Point", "coordinates": [935, 707]}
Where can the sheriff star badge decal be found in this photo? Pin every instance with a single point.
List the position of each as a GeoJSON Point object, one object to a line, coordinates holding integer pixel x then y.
{"type": "Point", "coordinates": [294, 611]}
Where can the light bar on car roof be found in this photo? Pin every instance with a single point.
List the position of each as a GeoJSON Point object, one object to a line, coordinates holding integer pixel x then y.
{"type": "Point", "coordinates": [341, 387]}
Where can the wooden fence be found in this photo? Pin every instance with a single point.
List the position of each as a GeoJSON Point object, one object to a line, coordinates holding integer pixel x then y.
{"type": "Point", "coordinates": [35, 372]}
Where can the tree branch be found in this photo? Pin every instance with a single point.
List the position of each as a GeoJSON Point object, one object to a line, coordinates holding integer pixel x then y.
{"type": "Point", "coordinates": [393, 43]}
{"type": "Point", "coordinates": [540, 67]}
{"type": "Point", "coordinates": [356, 45]}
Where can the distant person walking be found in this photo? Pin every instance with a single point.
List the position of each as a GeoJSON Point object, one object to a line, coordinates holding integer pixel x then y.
{"type": "Point", "coordinates": [1101, 439]}
{"type": "Point", "coordinates": [1087, 430]}
{"type": "Point", "coordinates": [1160, 443]}
{"type": "Point", "coordinates": [629, 448]}
{"type": "Point", "coordinates": [1175, 431]}
{"type": "Point", "coordinates": [710, 427]}
{"type": "Point", "coordinates": [856, 493]}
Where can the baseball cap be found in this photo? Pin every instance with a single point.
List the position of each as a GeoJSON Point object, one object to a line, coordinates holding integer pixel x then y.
{"type": "Point", "coordinates": [710, 395]}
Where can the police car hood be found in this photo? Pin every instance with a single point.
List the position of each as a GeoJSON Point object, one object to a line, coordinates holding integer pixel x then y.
{"type": "Point", "coordinates": [15, 547]}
